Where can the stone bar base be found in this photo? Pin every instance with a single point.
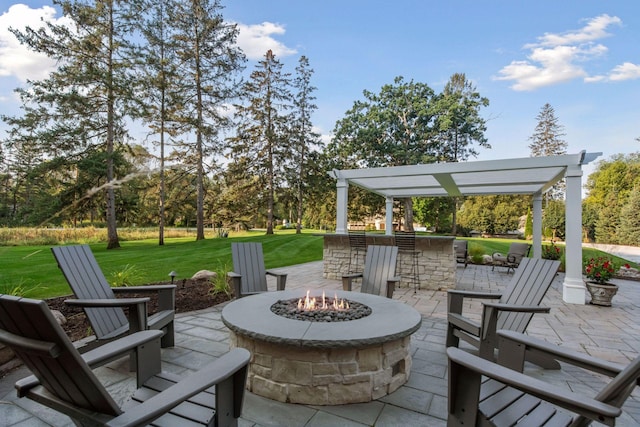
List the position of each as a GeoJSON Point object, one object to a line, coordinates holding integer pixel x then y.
{"type": "Point", "coordinates": [436, 259]}
{"type": "Point", "coordinates": [325, 376]}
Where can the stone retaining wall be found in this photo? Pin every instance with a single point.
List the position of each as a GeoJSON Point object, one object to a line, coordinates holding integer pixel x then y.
{"type": "Point", "coordinates": [436, 259]}
{"type": "Point", "coordinates": [326, 376]}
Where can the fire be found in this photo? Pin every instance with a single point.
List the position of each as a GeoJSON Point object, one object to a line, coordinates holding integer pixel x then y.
{"type": "Point", "coordinates": [309, 304]}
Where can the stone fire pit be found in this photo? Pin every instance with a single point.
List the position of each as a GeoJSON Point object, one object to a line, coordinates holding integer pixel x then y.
{"type": "Point", "coordinates": [323, 363]}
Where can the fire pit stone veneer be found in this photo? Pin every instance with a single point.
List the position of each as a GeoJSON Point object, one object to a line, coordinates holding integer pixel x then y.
{"type": "Point", "coordinates": [323, 363]}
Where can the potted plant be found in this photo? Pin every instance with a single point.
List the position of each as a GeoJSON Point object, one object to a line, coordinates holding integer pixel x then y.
{"type": "Point", "coordinates": [598, 272]}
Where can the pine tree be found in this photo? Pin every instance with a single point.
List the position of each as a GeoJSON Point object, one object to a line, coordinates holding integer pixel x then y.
{"type": "Point", "coordinates": [547, 141]}
{"type": "Point", "coordinates": [158, 69]}
{"type": "Point", "coordinates": [82, 104]}
{"type": "Point", "coordinates": [303, 136]}
{"type": "Point", "coordinates": [210, 60]}
{"type": "Point", "coordinates": [263, 132]}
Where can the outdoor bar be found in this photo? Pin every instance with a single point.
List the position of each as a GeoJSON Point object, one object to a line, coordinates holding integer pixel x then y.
{"type": "Point", "coordinates": [436, 264]}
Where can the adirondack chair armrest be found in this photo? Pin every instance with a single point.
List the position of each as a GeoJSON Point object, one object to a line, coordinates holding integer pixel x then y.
{"type": "Point", "coordinates": [391, 285]}
{"type": "Point", "coordinates": [236, 283]}
{"type": "Point", "coordinates": [513, 344]}
{"type": "Point", "coordinates": [138, 289]}
{"type": "Point", "coordinates": [104, 354]}
{"type": "Point", "coordinates": [347, 280]}
{"type": "Point", "coordinates": [467, 365]}
{"type": "Point", "coordinates": [116, 302]}
{"type": "Point", "coordinates": [231, 366]}
{"type": "Point", "coordinates": [455, 298]}
{"type": "Point", "coordinates": [475, 294]}
{"type": "Point", "coordinates": [281, 278]}
{"type": "Point", "coordinates": [517, 308]}
{"type": "Point", "coordinates": [137, 309]}
{"type": "Point", "coordinates": [166, 294]}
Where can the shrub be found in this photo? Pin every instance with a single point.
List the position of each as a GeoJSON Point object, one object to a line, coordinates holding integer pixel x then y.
{"type": "Point", "coordinates": [551, 252]}
{"type": "Point", "coordinates": [128, 276]}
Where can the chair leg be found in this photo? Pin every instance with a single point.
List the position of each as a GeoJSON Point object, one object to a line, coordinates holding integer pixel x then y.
{"type": "Point", "coordinates": [168, 339]}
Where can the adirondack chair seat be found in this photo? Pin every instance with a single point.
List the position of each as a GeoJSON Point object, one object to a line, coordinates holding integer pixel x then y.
{"type": "Point", "coordinates": [485, 393]}
{"type": "Point", "coordinates": [98, 300]}
{"type": "Point", "coordinates": [63, 379]}
{"type": "Point", "coordinates": [249, 275]}
{"type": "Point", "coordinates": [511, 309]}
{"type": "Point", "coordinates": [378, 277]}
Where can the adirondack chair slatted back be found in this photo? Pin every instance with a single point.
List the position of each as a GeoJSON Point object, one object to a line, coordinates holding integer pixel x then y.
{"type": "Point", "coordinates": [87, 281]}
{"type": "Point", "coordinates": [379, 266]}
{"type": "Point", "coordinates": [248, 261]}
{"type": "Point", "coordinates": [528, 286]}
{"type": "Point", "coordinates": [29, 328]}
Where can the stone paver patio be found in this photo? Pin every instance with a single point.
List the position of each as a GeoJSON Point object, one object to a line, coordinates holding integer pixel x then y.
{"type": "Point", "coordinates": [610, 333]}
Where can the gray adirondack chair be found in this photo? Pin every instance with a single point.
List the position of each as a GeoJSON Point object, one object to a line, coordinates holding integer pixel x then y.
{"type": "Point", "coordinates": [378, 277]}
{"type": "Point", "coordinates": [485, 393]}
{"type": "Point", "coordinates": [249, 275]}
{"type": "Point", "coordinates": [513, 310]}
{"type": "Point", "coordinates": [461, 250]}
{"type": "Point", "coordinates": [63, 379]}
{"type": "Point", "coordinates": [517, 251]}
{"type": "Point", "coordinates": [98, 300]}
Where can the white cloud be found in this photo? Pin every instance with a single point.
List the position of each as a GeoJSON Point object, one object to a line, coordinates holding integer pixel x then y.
{"type": "Point", "coordinates": [256, 40]}
{"type": "Point", "coordinates": [16, 59]}
{"type": "Point", "coordinates": [626, 71]}
{"type": "Point", "coordinates": [594, 30]}
{"type": "Point", "coordinates": [558, 58]}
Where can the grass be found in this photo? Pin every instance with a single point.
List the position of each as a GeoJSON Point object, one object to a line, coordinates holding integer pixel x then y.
{"type": "Point", "coordinates": [489, 246]}
{"type": "Point", "coordinates": [32, 271]}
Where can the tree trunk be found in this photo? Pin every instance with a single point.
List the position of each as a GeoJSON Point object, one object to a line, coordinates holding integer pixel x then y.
{"type": "Point", "coordinates": [112, 231]}
{"type": "Point", "coordinates": [408, 214]}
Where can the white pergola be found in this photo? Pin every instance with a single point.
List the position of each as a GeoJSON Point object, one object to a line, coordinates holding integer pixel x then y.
{"type": "Point", "coordinates": [529, 175]}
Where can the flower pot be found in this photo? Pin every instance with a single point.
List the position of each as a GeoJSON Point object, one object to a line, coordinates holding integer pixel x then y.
{"type": "Point", "coordinates": [601, 293]}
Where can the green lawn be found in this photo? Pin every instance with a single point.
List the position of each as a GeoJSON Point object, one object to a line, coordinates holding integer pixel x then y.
{"type": "Point", "coordinates": [32, 271]}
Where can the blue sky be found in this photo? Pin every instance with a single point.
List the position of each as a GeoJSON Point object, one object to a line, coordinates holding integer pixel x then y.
{"type": "Point", "coordinates": [580, 56]}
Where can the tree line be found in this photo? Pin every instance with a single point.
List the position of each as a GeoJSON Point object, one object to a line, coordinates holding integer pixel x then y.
{"type": "Point", "coordinates": [223, 149]}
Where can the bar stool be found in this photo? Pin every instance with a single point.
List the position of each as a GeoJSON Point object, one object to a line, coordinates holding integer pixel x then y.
{"type": "Point", "coordinates": [357, 249]}
{"type": "Point", "coordinates": [406, 243]}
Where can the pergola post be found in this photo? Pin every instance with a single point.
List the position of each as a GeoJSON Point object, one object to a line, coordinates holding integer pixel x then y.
{"type": "Point", "coordinates": [573, 289]}
{"type": "Point", "coordinates": [342, 203]}
{"type": "Point", "coordinates": [537, 225]}
{"type": "Point", "coordinates": [388, 216]}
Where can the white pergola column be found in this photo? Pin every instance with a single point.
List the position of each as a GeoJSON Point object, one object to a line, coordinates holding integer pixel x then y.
{"type": "Point", "coordinates": [342, 203]}
{"type": "Point", "coordinates": [537, 225]}
{"type": "Point", "coordinates": [573, 289]}
{"type": "Point", "coordinates": [388, 216]}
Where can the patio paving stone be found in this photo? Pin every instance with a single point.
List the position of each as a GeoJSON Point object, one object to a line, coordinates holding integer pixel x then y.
{"type": "Point", "coordinates": [612, 333]}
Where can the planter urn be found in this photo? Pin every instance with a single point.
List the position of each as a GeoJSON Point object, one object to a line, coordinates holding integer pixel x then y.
{"type": "Point", "coordinates": [601, 293]}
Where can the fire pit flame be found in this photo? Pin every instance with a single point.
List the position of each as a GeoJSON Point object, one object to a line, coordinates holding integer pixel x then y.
{"type": "Point", "coordinates": [310, 304]}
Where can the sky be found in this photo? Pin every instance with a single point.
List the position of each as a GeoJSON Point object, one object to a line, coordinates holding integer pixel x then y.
{"type": "Point", "coordinates": [580, 56]}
